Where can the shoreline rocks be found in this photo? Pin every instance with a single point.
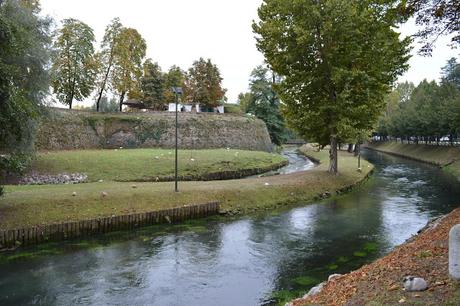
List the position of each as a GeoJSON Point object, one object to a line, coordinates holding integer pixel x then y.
{"type": "Point", "coordinates": [45, 179]}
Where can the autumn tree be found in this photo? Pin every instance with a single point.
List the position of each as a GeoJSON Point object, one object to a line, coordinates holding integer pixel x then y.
{"type": "Point", "coordinates": [127, 65]}
{"type": "Point", "coordinates": [153, 85]}
{"type": "Point", "coordinates": [74, 66]}
{"type": "Point", "coordinates": [106, 56]}
{"type": "Point", "coordinates": [205, 83]}
{"type": "Point", "coordinates": [337, 58]}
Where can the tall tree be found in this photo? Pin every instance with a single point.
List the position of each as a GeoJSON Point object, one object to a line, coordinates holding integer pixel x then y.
{"type": "Point", "coordinates": [436, 18]}
{"type": "Point", "coordinates": [265, 104]}
{"type": "Point", "coordinates": [153, 85]}
{"type": "Point", "coordinates": [74, 66]}
{"type": "Point", "coordinates": [205, 83]}
{"type": "Point", "coordinates": [175, 77]}
{"type": "Point", "coordinates": [337, 58]}
{"type": "Point", "coordinates": [127, 66]}
{"type": "Point", "coordinates": [451, 72]}
{"type": "Point", "coordinates": [106, 56]}
{"type": "Point", "coordinates": [24, 81]}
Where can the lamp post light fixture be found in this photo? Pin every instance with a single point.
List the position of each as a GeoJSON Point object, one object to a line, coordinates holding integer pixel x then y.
{"type": "Point", "coordinates": [177, 91]}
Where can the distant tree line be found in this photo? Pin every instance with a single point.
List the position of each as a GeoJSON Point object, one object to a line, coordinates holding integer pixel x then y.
{"type": "Point", "coordinates": [120, 67]}
{"type": "Point", "coordinates": [429, 112]}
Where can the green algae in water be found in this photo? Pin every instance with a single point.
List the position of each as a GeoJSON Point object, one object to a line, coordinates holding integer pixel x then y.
{"type": "Point", "coordinates": [284, 296]}
{"type": "Point", "coordinates": [343, 259]}
{"type": "Point", "coordinates": [370, 247]}
{"type": "Point", "coordinates": [332, 266]}
{"type": "Point", "coordinates": [360, 254]}
{"type": "Point", "coordinates": [306, 280]}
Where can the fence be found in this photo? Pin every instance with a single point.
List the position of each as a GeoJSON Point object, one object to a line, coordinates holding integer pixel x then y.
{"type": "Point", "coordinates": [68, 230]}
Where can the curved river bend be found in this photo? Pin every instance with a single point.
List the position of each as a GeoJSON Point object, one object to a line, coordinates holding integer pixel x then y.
{"type": "Point", "coordinates": [250, 261]}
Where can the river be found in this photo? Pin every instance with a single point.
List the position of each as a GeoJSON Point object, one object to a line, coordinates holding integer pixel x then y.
{"type": "Point", "coordinates": [253, 260]}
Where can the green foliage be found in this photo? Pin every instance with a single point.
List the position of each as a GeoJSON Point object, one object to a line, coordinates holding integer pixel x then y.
{"type": "Point", "coordinates": [337, 59]}
{"type": "Point", "coordinates": [430, 112]}
{"type": "Point", "coordinates": [204, 84]}
{"type": "Point", "coordinates": [24, 80]}
{"type": "Point", "coordinates": [175, 77]}
{"type": "Point", "coordinates": [129, 51]}
{"type": "Point", "coordinates": [263, 102]}
{"type": "Point", "coordinates": [451, 72]}
{"type": "Point", "coordinates": [153, 85]}
{"type": "Point", "coordinates": [106, 105]}
{"type": "Point", "coordinates": [74, 64]}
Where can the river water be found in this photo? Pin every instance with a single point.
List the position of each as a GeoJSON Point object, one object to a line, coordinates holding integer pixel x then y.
{"type": "Point", "coordinates": [261, 259]}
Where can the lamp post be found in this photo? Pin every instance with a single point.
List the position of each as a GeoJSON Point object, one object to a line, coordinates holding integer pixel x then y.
{"type": "Point", "coordinates": [177, 91]}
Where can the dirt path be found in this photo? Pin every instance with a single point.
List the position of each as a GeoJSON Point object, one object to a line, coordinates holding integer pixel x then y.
{"type": "Point", "coordinates": [379, 283]}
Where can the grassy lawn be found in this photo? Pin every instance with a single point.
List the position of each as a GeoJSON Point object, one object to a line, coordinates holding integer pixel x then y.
{"type": "Point", "coordinates": [445, 156]}
{"type": "Point", "coordinates": [125, 165]}
{"type": "Point", "coordinates": [32, 205]}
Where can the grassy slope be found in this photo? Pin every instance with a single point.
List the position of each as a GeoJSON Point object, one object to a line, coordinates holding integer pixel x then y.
{"type": "Point", "coordinates": [147, 164]}
{"type": "Point", "coordinates": [444, 156]}
{"type": "Point", "coordinates": [31, 205]}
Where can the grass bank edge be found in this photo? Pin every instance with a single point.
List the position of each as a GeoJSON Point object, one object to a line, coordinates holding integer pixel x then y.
{"type": "Point", "coordinates": [25, 206]}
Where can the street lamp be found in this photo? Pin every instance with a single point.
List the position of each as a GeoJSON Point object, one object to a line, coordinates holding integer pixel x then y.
{"type": "Point", "coordinates": [177, 91]}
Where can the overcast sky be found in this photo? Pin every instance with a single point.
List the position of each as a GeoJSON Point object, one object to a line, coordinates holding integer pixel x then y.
{"type": "Point", "coordinates": [179, 32]}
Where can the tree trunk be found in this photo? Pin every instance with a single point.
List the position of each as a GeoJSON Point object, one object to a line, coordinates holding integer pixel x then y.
{"type": "Point", "coordinates": [357, 149]}
{"type": "Point", "coordinates": [122, 97]}
{"type": "Point", "coordinates": [103, 85]}
{"type": "Point", "coordinates": [333, 167]}
{"type": "Point", "coordinates": [350, 148]}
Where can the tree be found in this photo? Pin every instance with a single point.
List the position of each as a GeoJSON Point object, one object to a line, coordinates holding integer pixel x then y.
{"type": "Point", "coordinates": [127, 66]}
{"type": "Point", "coordinates": [74, 66]}
{"type": "Point", "coordinates": [436, 18]}
{"type": "Point", "coordinates": [24, 80]}
{"type": "Point", "coordinates": [153, 85]}
{"type": "Point", "coordinates": [244, 100]}
{"type": "Point", "coordinates": [451, 72]}
{"type": "Point", "coordinates": [106, 56]}
{"type": "Point", "coordinates": [265, 104]}
{"type": "Point", "coordinates": [106, 105]}
{"type": "Point", "coordinates": [337, 58]}
{"type": "Point", "coordinates": [205, 83]}
{"type": "Point", "coordinates": [175, 77]}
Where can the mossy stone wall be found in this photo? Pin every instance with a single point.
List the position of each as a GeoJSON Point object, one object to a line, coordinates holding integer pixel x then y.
{"type": "Point", "coordinates": [66, 130]}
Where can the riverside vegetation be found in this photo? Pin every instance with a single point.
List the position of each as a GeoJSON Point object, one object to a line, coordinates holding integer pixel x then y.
{"type": "Point", "coordinates": [24, 206]}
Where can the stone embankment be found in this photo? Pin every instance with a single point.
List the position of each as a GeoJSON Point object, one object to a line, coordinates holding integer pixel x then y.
{"type": "Point", "coordinates": [67, 130]}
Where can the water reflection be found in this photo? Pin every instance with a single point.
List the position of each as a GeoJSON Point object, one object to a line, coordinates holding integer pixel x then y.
{"type": "Point", "coordinates": [242, 262]}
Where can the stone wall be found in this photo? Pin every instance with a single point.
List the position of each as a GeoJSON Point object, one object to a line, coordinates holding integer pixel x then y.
{"type": "Point", "coordinates": [66, 130]}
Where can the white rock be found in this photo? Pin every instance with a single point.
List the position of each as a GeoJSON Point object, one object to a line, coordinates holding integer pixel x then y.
{"type": "Point", "coordinates": [315, 290]}
{"type": "Point", "coordinates": [74, 193]}
{"type": "Point", "coordinates": [100, 181]}
{"type": "Point", "coordinates": [412, 283]}
{"type": "Point", "coordinates": [454, 252]}
{"type": "Point", "coordinates": [104, 194]}
{"type": "Point", "coordinates": [332, 276]}
{"type": "Point", "coordinates": [267, 184]}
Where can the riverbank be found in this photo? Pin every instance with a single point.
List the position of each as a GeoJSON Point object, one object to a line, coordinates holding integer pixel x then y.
{"type": "Point", "coordinates": [154, 165]}
{"type": "Point", "coordinates": [426, 255]}
{"type": "Point", "coordinates": [380, 283]}
{"type": "Point", "coordinates": [446, 157]}
{"type": "Point", "coordinates": [26, 206]}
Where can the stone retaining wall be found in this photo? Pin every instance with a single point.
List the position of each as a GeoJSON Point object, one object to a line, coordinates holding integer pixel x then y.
{"type": "Point", "coordinates": [68, 129]}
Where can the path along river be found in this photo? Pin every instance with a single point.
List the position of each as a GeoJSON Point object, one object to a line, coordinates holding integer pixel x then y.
{"type": "Point", "coordinates": [246, 261]}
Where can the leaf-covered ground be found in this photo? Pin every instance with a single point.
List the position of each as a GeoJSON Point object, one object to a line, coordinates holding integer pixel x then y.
{"type": "Point", "coordinates": [380, 283]}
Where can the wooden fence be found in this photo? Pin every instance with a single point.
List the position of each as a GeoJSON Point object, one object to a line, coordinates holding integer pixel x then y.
{"type": "Point", "coordinates": [68, 230]}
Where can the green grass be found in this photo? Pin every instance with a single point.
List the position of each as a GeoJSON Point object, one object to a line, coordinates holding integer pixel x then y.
{"type": "Point", "coordinates": [149, 164]}
{"type": "Point", "coordinates": [24, 206]}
